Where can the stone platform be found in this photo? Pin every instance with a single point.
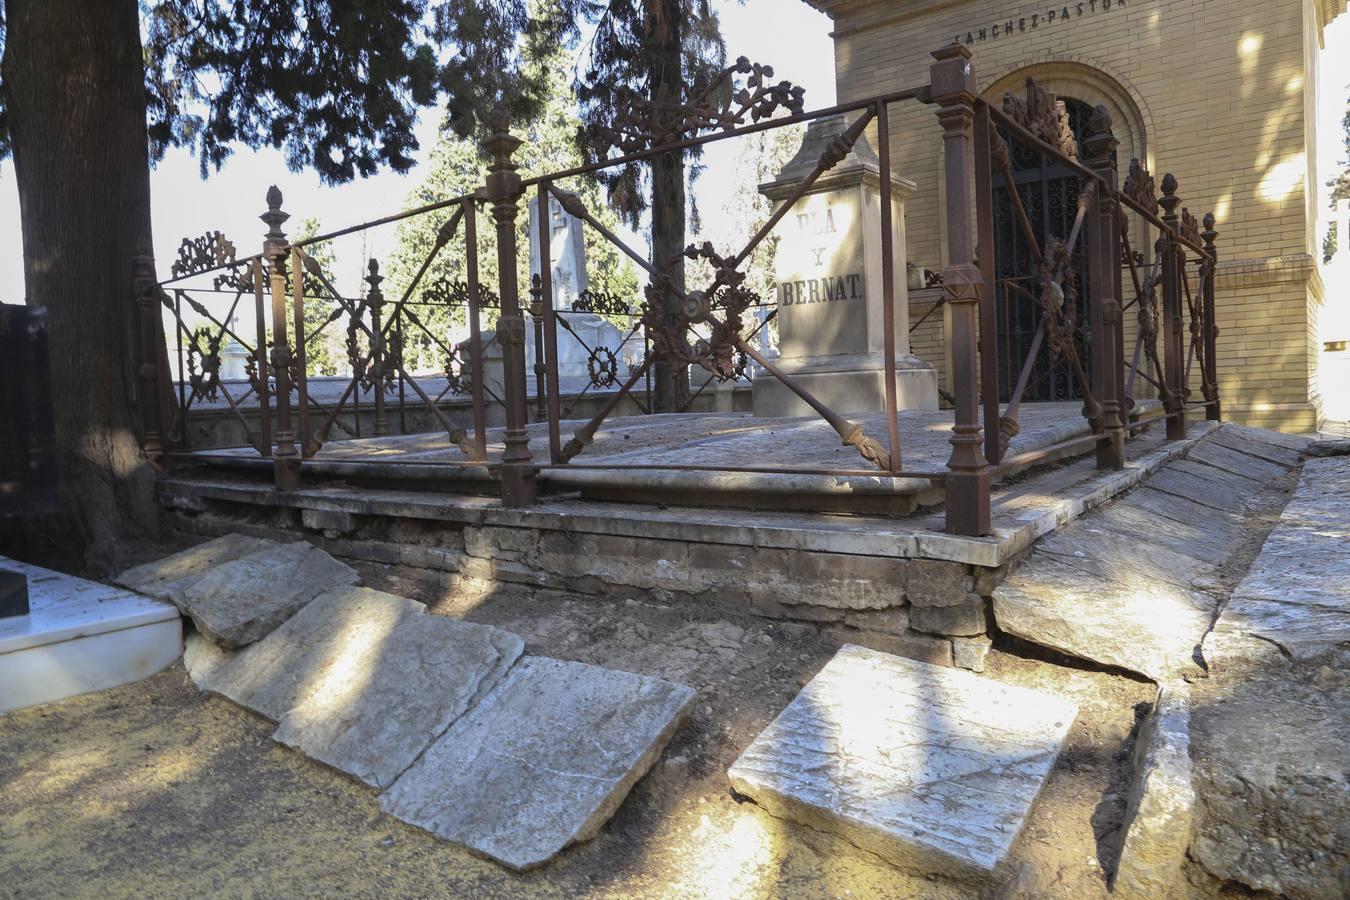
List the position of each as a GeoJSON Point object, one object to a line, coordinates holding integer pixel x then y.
{"type": "Point", "coordinates": [81, 636]}
{"type": "Point", "coordinates": [899, 584]}
{"type": "Point", "coordinates": [657, 446]}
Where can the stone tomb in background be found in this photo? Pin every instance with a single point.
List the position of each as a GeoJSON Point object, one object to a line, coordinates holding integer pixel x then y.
{"type": "Point", "coordinates": [828, 269]}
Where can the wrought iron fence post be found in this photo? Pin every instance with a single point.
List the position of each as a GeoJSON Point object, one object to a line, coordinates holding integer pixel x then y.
{"type": "Point", "coordinates": [375, 299]}
{"type": "Point", "coordinates": [285, 458]}
{"type": "Point", "coordinates": [1103, 267]}
{"type": "Point", "coordinates": [1210, 374]}
{"type": "Point", "coordinates": [1174, 351]}
{"type": "Point", "coordinates": [503, 190]}
{"type": "Point", "coordinates": [540, 369]}
{"type": "Point", "coordinates": [152, 391]}
{"type": "Point", "coordinates": [967, 483]}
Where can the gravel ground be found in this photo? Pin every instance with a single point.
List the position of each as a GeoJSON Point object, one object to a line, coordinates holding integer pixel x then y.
{"type": "Point", "coordinates": [154, 790]}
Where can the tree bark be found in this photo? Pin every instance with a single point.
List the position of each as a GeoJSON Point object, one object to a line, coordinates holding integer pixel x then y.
{"type": "Point", "coordinates": [75, 92]}
{"type": "Point", "coordinates": [667, 75]}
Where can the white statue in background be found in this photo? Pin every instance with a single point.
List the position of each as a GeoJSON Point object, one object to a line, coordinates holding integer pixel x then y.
{"type": "Point", "coordinates": [567, 252]}
{"type": "Point", "coordinates": [567, 268]}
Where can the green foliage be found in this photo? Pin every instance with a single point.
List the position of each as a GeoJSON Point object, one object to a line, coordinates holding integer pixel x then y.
{"type": "Point", "coordinates": [1329, 243]}
{"type": "Point", "coordinates": [334, 84]}
{"type": "Point", "coordinates": [624, 65]}
{"type": "Point", "coordinates": [455, 169]}
{"type": "Point", "coordinates": [325, 347]}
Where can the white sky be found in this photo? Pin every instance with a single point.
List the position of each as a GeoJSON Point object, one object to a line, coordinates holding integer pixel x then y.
{"type": "Point", "coordinates": [784, 33]}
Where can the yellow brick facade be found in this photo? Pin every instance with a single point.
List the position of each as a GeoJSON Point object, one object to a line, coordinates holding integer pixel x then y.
{"type": "Point", "coordinates": [1218, 92]}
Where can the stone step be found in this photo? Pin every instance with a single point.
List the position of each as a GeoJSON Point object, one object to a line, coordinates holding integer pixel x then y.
{"type": "Point", "coordinates": [542, 762]}
{"type": "Point", "coordinates": [929, 767]}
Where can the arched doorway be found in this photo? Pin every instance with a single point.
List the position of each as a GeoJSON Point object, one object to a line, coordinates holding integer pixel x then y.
{"type": "Point", "coordinates": [1049, 197]}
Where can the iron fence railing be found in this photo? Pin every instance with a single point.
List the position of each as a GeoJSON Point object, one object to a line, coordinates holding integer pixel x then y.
{"type": "Point", "coordinates": [1074, 292]}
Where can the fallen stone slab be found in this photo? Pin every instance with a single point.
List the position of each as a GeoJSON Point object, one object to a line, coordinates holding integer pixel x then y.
{"type": "Point", "coordinates": [1162, 801]}
{"type": "Point", "coordinates": [542, 761]}
{"type": "Point", "coordinates": [240, 602]}
{"type": "Point", "coordinates": [384, 700]}
{"type": "Point", "coordinates": [929, 767]}
{"type": "Point", "coordinates": [1141, 625]}
{"type": "Point", "coordinates": [278, 673]}
{"type": "Point", "coordinates": [1252, 632]}
{"type": "Point", "coordinates": [168, 578]}
{"type": "Point", "coordinates": [1236, 461]}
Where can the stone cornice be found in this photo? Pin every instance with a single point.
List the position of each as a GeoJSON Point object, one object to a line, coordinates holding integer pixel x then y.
{"type": "Point", "coordinates": [867, 14]}
{"type": "Point", "coordinates": [1296, 268]}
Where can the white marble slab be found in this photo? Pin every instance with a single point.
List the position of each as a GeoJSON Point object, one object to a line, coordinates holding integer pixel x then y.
{"type": "Point", "coordinates": [929, 767]}
{"type": "Point", "coordinates": [65, 607]}
{"type": "Point", "coordinates": [81, 636]}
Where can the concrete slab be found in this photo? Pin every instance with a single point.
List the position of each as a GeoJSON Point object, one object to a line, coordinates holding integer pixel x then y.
{"type": "Point", "coordinates": [80, 636]}
{"type": "Point", "coordinates": [240, 602]}
{"type": "Point", "coordinates": [542, 762]}
{"type": "Point", "coordinates": [170, 577]}
{"type": "Point", "coordinates": [385, 699]}
{"type": "Point", "coordinates": [280, 672]}
{"type": "Point", "coordinates": [929, 767]}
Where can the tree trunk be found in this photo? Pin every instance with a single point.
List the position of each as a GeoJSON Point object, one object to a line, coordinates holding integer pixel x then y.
{"type": "Point", "coordinates": [667, 76]}
{"type": "Point", "coordinates": [76, 98]}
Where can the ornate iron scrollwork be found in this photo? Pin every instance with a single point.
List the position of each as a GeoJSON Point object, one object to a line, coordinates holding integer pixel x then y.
{"type": "Point", "coordinates": [648, 125]}
{"type": "Point", "coordinates": [203, 359]}
{"type": "Point", "coordinates": [1044, 116]}
{"type": "Point", "coordinates": [727, 297]}
{"type": "Point", "coordinates": [1190, 227]}
{"type": "Point", "coordinates": [1140, 187]}
{"type": "Point", "coordinates": [603, 368]}
{"type": "Point", "coordinates": [601, 302]}
{"type": "Point", "coordinates": [448, 292]}
{"type": "Point", "coordinates": [201, 253]}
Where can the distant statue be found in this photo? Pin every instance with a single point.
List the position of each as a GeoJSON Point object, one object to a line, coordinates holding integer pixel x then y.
{"type": "Point", "coordinates": [567, 252]}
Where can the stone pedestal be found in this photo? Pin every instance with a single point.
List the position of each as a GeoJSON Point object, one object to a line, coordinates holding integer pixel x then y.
{"type": "Point", "coordinates": [830, 304]}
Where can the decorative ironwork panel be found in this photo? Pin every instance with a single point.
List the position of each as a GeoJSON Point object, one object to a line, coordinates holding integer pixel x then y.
{"type": "Point", "coordinates": [1049, 194]}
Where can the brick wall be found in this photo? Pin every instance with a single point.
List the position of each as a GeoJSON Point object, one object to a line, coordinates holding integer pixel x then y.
{"type": "Point", "coordinates": [1211, 90]}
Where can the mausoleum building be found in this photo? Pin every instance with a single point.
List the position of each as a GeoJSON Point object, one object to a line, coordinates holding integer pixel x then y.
{"type": "Point", "coordinates": [1224, 91]}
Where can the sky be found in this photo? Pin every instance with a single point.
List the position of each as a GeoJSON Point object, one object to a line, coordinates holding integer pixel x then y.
{"type": "Point", "coordinates": [230, 200]}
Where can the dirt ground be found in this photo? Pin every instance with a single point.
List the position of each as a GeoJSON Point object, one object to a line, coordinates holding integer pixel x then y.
{"type": "Point", "coordinates": [154, 790]}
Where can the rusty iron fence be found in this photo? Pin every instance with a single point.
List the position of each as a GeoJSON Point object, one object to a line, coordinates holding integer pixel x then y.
{"type": "Point", "coordinates": [1074, 292]}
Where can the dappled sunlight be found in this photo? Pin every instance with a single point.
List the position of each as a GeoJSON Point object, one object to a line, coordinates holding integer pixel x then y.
{"type": "Point", "coordinates": [729, 859]}
{"type": "Point", "coordinates": [1283, 178]}
{"type": "Point", "coordinates": [1249, 59]}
